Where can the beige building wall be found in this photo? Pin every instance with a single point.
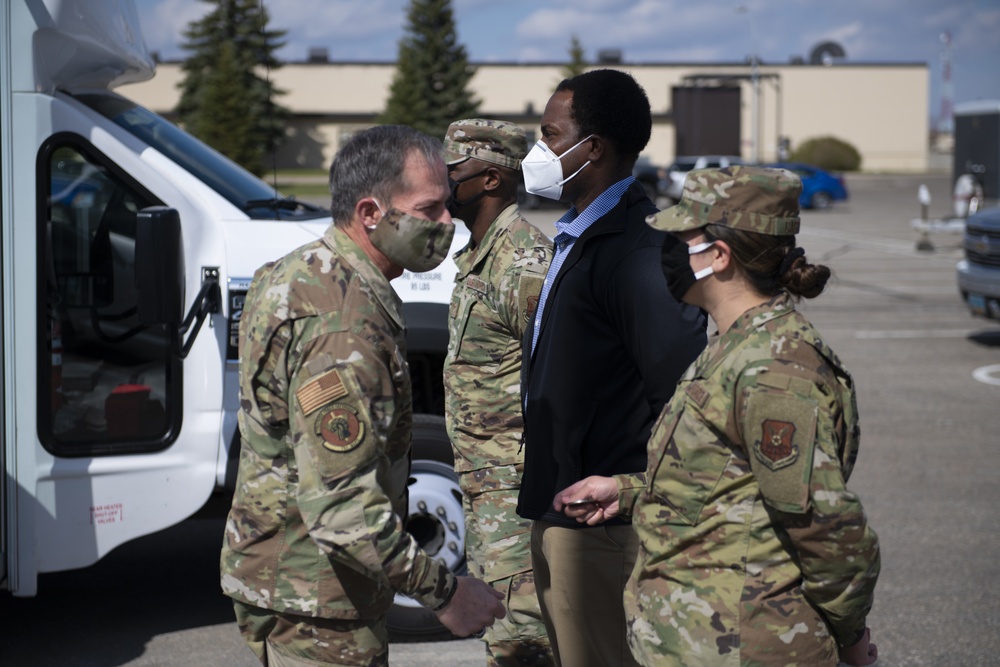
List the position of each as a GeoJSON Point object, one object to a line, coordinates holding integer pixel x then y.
{"type": "Point", "coordinates": [880, 109]}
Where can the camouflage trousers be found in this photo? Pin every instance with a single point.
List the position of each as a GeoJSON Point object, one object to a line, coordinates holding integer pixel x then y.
{"type": "Point", "coordinates": [290, 640]}
{"type": "Point", "coordinates": [498, 545]}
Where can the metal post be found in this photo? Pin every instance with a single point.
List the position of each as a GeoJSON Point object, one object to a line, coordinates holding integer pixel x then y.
{"type": "Point", "coordinates": [924, 241]}
{"type": "Point", "coordinates": [755, 110]}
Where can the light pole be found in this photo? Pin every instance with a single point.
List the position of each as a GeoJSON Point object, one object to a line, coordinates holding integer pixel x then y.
{"type": "Point", "coordinates": [754, 88]}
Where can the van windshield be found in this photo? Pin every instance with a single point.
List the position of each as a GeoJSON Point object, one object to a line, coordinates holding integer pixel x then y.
{"type": "Point", "coordinates": [244, 190]}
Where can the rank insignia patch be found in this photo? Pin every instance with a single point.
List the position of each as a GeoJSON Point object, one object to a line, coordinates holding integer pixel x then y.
{"type": "Point", "coordinates": [340, 427]}
{"type": "Point", "coordinates": [775, 448]}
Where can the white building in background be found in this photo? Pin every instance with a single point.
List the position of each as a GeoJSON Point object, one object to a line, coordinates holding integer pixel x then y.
{"type": "Point", "coordinates": [697, 108]}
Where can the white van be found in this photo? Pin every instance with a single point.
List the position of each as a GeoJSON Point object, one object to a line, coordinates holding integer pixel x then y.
{"type": "Point", "coordinates": [127, 249]}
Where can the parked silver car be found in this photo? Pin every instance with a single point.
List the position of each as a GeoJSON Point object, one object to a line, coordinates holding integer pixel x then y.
{"type": "Point", "coordinates": [673, 185]}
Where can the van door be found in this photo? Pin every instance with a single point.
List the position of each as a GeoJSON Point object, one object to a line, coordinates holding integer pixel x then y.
{"type": "Point", "coordinates": [5, 266]}
{"type": "Point", "coordinates": [3, 392]}
{"type": "Point", "coordinates": [115, 453]}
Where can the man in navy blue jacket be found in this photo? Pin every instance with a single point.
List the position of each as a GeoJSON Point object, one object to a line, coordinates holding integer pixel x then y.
{"type": "Point", "coordinates": [608, 344]}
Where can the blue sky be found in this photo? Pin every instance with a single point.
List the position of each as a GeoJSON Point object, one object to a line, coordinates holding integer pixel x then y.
{"type": "Point", "coordinates": [646, 31]}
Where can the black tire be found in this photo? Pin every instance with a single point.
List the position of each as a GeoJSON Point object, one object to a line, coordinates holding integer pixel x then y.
{"type": "Point", "coordinates": [821, 201]}
{"type": "Point", "coordinates": [438, 525]}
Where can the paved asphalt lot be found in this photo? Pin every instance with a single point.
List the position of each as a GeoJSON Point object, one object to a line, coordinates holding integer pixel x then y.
{"type": "Point", "coordinates": [928, 476]}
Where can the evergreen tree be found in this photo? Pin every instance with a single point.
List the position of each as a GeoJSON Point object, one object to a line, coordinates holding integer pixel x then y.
{"type": "Point", "coordinates": [430, 87]}
{"type": "Point", "coordinates": [577, 63]}
{"type": "Point", "coordinates": [226, 98]}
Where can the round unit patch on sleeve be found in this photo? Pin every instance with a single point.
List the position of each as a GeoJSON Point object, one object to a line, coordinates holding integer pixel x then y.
{"type": "Point", "coordinates": [340, 427]}
{"type": "Point", "coordinates": [530, 307]}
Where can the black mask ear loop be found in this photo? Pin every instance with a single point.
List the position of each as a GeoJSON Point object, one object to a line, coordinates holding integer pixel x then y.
{"type": "Point", "coordinates": [453, 202]}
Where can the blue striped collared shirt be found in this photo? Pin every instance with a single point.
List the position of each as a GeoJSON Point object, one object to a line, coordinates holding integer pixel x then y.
{"type": "Point", "coordinates": [570, 227]}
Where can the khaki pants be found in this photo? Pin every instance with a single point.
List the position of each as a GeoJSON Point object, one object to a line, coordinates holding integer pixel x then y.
{"type": "Point", "coordinates": [580, 575]}
{"type": "Point", "coordinates": [498, 543]}
{"type": "Point", "coordinates": [289, 640]}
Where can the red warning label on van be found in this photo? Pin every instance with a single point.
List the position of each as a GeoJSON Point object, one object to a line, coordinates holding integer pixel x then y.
{"type": "Point", "coordinates": [108, 513]}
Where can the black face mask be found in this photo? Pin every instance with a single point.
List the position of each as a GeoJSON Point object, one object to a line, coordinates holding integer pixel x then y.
{"type": "Point", "coordinates": [676, 265]}
{"type": "Point", "coordinates": [453, 203]}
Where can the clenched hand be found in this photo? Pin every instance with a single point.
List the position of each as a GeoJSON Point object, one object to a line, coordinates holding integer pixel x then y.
{"type": "Point", "coordinates": [475, 606]}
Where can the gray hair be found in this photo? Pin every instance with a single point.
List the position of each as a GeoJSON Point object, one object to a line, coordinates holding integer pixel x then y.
{"type": "Point", "coordinates": [371, 164]}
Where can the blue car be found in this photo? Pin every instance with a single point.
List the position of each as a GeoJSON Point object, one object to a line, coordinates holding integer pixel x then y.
{"type": "Point", "coordinates": [819, 188]}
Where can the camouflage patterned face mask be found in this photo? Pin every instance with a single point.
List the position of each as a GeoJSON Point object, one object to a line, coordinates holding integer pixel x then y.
{"type": "Point", "coordinates": [416, 244]}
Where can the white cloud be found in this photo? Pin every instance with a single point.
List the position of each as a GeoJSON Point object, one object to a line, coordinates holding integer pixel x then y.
{"type": "Point", "coordinates": [343, 20]}
{"type": "Point", "coordinates": [645, 30]}
{"type": "Point", "coordinates": [163, 23]}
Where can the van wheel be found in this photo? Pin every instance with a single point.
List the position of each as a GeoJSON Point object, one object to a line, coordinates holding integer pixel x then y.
{"type": "Point", "coordinates": [435, 520]}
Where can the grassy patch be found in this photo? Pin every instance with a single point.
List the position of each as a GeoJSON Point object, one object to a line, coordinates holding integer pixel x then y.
{"type": "Point", "coordinates": [304, 189]}
{"type": "Point", "coordinates": [284, 174]}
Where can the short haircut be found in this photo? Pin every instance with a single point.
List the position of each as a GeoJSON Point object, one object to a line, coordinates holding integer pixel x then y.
{"type": "Point", "coordinates": [611, 104]}
{"type": "Point", "coordinates": [371, 164]}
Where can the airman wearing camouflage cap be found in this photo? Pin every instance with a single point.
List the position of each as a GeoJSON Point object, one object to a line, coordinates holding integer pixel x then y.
{"type": "Point", "coordinates": [753, 550]}
{"type": "Point", "coordinates": [500, 275]}
{"type": "Point", "coordinates": [754, 199]}
{"type": "Point", "coordinates": [494, 141]}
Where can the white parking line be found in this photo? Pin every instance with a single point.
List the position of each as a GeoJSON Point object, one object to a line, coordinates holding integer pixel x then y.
{"type": "Point", "coordinates": [889, 246]}
{"type": "Point", "coordinates": [984, 374]}
{"type": "Point", "coordinates": [912, 333]}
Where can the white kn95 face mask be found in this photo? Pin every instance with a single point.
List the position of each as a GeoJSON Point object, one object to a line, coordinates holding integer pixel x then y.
{"type": "Point", "coordinates": [543, 170]}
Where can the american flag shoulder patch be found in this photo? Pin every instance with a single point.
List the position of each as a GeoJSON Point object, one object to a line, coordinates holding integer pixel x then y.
{"type": "Point", "coordinates": [320, 391]}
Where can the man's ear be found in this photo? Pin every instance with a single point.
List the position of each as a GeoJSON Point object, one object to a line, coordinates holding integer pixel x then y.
{"type": "Point", "coordinates": [367, 211]}
{"type": "Point", "coordinates": [493, 179]}
{"type": "Point", "coordinates": [598, 145]}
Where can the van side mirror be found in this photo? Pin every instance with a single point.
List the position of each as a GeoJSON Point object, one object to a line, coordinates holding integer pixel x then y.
{"type": "Point", "coordinates": [159, 266]}
{"type": "Point", "coordinates": [159, 277]}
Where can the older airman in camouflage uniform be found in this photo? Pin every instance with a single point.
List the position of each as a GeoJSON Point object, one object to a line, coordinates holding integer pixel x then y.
{"type": "Point", "coordinates": [500, 274]}
{"type": "Point", "coordinates": [314, 546]}
{"type": "Point", "coordinates": [753, 552]}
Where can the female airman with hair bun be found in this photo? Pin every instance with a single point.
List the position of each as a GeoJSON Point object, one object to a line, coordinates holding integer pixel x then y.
{"type": "Point", "coordinates": [752, 549]}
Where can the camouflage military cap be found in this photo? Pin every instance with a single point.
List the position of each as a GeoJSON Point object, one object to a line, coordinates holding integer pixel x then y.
{"type": "Point", "coordinates": [494, 141]}
{"type": "Point", "coordinates": [754, 199]}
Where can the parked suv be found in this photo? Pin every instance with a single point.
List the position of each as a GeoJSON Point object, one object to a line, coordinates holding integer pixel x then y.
{"type": "Point", "coordinates": [979, 272]}
{"type": "Point", "coordinates": [673, 185]}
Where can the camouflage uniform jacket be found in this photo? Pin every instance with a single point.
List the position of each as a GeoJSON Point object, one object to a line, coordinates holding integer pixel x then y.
{"type": "Point", "coordinates": [495, 296]}
{"type": "Point", "coordinates": [752, 549]}
{"type": "Point", "coordinates": [325, 416]}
